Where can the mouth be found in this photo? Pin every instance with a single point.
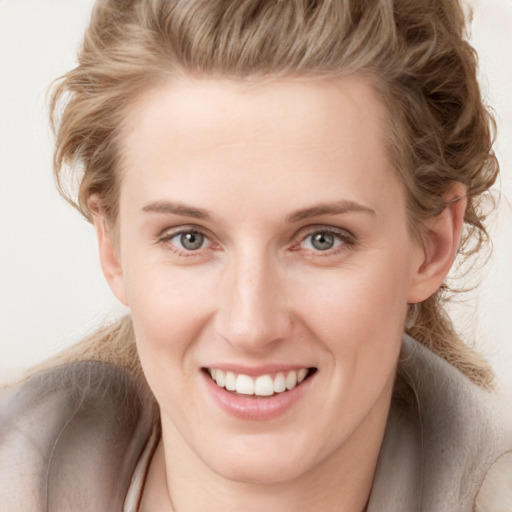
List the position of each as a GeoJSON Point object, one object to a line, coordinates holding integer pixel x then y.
{"type": "Point", "coordinates": [266, 385]}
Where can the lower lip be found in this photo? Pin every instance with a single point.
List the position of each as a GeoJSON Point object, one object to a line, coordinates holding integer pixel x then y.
{"type": "Point", "coordinates": [252, 407]}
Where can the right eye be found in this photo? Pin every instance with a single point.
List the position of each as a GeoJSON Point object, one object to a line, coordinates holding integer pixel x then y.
{"type": "Point", "coordinates": [187, 240]}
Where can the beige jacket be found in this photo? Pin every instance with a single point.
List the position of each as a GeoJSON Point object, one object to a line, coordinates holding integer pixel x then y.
{"type": "Point", "coordinates": [448, 443]}
{"type": "Point", "coordinates": [70, 440]}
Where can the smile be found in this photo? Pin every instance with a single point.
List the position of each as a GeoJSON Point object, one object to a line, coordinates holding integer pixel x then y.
{"type": "Point", "coordinates": [263, 385]}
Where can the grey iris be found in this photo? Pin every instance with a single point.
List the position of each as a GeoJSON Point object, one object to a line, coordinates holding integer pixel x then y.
{"type": "Point", "coordinates": [322, 241]}
{"type": "Point", "coordinates": [192, 240]}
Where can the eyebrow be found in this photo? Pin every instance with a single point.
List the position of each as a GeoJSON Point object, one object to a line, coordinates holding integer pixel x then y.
{"type": "Point", "coordinates": [169, 207]}
{"type": "Point", "coordinates": [335, 208]}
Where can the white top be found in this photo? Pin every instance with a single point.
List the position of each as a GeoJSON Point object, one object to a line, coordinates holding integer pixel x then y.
{"type": "Point", "coordinates": [134, 493]}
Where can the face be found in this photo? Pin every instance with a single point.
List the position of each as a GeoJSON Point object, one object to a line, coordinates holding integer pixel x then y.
{"type": "Point", "coordinates": [263, 240]}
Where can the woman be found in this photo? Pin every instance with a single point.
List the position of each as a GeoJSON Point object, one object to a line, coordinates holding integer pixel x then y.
{"type": "Point", "coordinates": [279, 190]}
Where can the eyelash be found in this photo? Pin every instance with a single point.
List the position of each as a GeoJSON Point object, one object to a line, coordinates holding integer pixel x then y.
{"type": "Point", "coordinates": [343, 238]}
{"type": "Point", "coordinates": [167, 237]}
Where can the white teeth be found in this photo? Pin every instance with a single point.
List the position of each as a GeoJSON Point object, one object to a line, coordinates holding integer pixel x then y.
{"type": "Point", "coordinates": [264, 385]}
{"type": "Point", "coordinates": [279, 383]}
{"type": "Point", "coordinates": [244, 385]}
{"type": "Point", "coordinates": [301, 375]}
{"type": "Point", "coordinates": [291, 380]}
{"type": "Point", "coordinates": [230, 381]}
{"type": "Point", "coordinates": [220, 378]}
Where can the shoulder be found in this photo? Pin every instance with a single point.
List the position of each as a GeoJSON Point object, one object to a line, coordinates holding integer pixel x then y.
{"type": "Point", "coordinates": [69, 431]}
{"type": "Point", "coordinates": [447, 440]}
{"type": "Point", "coordinates": [466, 431]}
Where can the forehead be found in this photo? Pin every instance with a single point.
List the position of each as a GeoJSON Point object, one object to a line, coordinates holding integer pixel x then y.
{"type": "Point", "coordinates": [284, 105]}
{"type": "Point", "coordinates": [300, 134]}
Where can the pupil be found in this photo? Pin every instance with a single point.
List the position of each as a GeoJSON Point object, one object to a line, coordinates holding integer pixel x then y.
{"type": "Point", "coordinates": [323, 241]}
{"type": "Point", "coordinates": [192, 241]}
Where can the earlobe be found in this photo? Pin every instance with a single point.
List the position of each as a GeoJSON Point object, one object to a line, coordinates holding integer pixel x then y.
{"type": "Point", "coordinates": [109, 257]}
{"type": "Point", "coordinates": [440, 245]}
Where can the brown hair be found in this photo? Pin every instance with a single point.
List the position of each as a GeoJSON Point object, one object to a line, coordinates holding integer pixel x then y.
{"type": "Point", "coordinates": [414, 53]}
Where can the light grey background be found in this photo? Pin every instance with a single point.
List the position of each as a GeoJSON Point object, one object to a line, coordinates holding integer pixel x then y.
{"type": "Point", "coordinates": [51, 288]}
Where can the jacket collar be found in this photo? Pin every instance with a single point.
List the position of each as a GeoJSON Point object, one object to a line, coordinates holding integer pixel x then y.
{"type": "Point", "coordinates": [443, 434]}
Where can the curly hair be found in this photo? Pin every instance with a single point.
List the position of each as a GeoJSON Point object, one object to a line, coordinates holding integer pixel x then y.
{"type": "Point", "coordinates": [415, 54]}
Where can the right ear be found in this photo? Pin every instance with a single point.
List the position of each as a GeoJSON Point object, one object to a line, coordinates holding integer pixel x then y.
{"type": "Point", "coordinates": [108, 251]}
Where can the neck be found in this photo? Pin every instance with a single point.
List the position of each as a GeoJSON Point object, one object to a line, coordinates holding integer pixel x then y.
{"type": "Point", "coordinates": [341, 482]}
{"type": "Point", "coordinates": [349, 494]}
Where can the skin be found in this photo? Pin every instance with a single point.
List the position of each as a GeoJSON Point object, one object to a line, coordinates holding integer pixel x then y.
{"type": "Point", "coordinates": [258, 292]}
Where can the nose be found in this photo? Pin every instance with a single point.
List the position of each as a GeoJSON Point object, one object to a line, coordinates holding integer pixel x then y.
{"type": "Point", "coordinates": [253, 312]}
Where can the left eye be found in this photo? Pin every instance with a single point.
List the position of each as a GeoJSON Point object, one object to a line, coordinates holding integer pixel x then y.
{"type": "Point", "coordinates": [189, 240]}
{"type": "Point", "coordinates": [322, 241]}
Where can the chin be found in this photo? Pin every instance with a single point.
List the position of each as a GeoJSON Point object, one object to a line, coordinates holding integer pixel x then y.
{"type": "Point", "coordinates": [273, 463]}
{"type": "Point", "coordinates": [260, 472]}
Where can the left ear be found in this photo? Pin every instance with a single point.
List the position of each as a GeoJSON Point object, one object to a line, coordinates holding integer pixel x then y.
{"type": "Point", "coordinates": [440, 245]}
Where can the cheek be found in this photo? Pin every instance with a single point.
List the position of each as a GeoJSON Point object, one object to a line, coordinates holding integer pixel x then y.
{"type": "Point", "coordinates": [169, 306]}
{"type": "Point", "coordinates": [169, 316]}
{"type": "Point", "coordinates": [358, 317]}
{"type": "Point", "coordinates": [349, 302]}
